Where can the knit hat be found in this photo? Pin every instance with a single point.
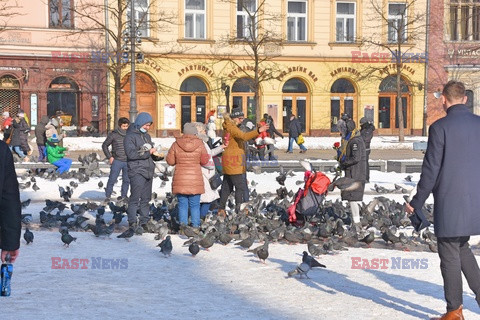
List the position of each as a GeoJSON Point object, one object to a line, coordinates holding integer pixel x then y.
{"type": "Point", "coordinates": [142, 119]}
{"type": "Point", "coordinates": [21, 113]}
{"type": "Point", "coordinates": [6, 114]}
{"type": "Point", "coordinates": [189, 128]}
{"type": "Point", "coordinates": [54, 138]}
{"type": "Point", "coordinates": [237, 113]}
{"type": "Point", "coordinates": [350, 125]}
{"type": "Point", "coordinates": [54, 122]}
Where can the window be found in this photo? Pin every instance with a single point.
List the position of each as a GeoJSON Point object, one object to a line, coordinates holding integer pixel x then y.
{"type": "Point", "coordinates": [246, 19]}
{"type": "Point", "coordinates": [61, 14]}
{"type": "Point", "coordinates": [465, 20]}
{"type": "Point", "coordinates": [297, 21]}
{"type": "Point", "coordinates": [141, 17]}
{"type": "Point", "coordinates": [397, 20]}
{"type": "Point", "coordinates": [195, 19]}
{"type": "Point", "coordinates": [345, 26]}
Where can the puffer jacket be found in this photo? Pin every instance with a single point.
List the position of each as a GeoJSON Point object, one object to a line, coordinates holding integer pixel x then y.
{"type": "Point", "coordinates": [138, 162]}
{"type": "Point", "coordinates": [233, 158]}
{"type": "Point", "coordinates": [355, 166]}
{"type": "Point", "coordinates": [20, 132]}
{"type": "Point", "coordinates": [40, 131]}
{"type": "Point", "coordinates": [51, 130]}
{"type": "Point", "coordinates": [208, 172]}
{"type": "Point", "coordinates": [188, 154]}
{"type": "Point", "coordinates": [115, 139]}
{"type": "Point", "coordinates": [55, 152]}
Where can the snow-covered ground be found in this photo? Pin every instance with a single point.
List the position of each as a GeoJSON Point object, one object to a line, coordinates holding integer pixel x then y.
{"type": "Point", "coordinates": [224, 283]}
{"type": "Point", "coordinates": [378, 142]}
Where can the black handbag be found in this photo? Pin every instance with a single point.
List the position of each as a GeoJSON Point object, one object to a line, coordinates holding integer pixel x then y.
{"type": "Point", "coordinates": [215, 181]}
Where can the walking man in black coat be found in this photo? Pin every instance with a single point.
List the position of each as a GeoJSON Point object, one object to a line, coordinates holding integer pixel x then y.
{"type": "Point", "coordinates": [451, 172]}
{"type": "Point", "coordinates": [10, 206]}
{"type": "Point", "coordinates": [117, 159]}
{"type": "Point", "coordinates": [294, 131]}
{"type": "Point", "coordinates": [366, 130]}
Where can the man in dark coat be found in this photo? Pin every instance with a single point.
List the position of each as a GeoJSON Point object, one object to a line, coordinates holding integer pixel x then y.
{"type": "Point", "coordinates": [450, 171]}
{"type": "Point", "coordinates": [117, 159]}
{"type": "Point", "coordinates": [10, 206]}
{"type": "Point", "coordinates": [366, 130]}
{"type": "Point", "coordinates": [294, 130]}
{"type": "Point", "coordinates": [41, 138]}
{"type": "Point", "coordinates": [19, 141]}
{"type": "Point", "coordinates": [353, 163]}
{"type": "Point", "coordinates": [139, 148]}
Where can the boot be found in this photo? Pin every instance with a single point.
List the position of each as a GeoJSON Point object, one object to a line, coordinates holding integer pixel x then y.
{"type": "Point", "coordinates": [452, 315]}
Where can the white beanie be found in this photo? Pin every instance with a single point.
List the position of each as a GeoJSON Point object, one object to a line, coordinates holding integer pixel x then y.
{"type": "Point", "coordinates": [6, 113]}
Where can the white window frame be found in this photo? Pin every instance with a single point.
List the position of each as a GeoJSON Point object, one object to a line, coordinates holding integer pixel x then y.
{"type": "Point", "coordinates": [344, 18]}
{"type": "Point", "coordinates": [144, 29]}
{"type": "Point", "coordinates": [296, 16]}
{"type": "Point", "coordinates": [195, 13]}
{"type": "Point", "coordinates": [393, 24]}
{"type": "Point", "coordinates": [246, 23]}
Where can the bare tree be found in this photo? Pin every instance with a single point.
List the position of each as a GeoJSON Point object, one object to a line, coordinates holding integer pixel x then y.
{"type": "Point", "coordinates": [8, 10]}
{"type": "Point", "coordinates": [406, 26]}
{"type": "Point", "coordinates": [111, 20]}
{"type": "Point", "coordinates": [256, 43]}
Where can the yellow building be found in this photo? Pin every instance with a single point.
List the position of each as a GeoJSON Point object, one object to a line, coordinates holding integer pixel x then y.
{"type": "Point", "coordinates": [314, 52]}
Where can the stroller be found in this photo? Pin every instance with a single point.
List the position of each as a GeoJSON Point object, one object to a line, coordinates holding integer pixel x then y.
{"type": "Point", "coordinates": [309, 200]}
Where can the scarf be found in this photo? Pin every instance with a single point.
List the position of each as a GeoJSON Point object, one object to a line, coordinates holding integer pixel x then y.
{"type": "Point", "coordinates": [342, 151]}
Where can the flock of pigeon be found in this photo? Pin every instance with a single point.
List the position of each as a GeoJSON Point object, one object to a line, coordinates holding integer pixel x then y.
{"type": "Point", "coordinates": [262, 219]}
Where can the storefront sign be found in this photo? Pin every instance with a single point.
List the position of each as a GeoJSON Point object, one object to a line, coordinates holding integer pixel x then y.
{"type": "Point", "coordinates": [298, 69]}
{"type": "Point", "coordinates": [152, 64]}
{"type": "Point", "coordinates": [10, 68]}
{"type": "Point", "coordinates": [196, 67]}
{"type": "Point", "coordinates": [345, 69]}
{"type": "Point", "coordinates": [392, 69]}
{"type": "Point", "coordinates": [463, 52]}
{"type": "Point", "coordinates": [64, 70]}
{"type": "Point", "coordinates": [169, 116]}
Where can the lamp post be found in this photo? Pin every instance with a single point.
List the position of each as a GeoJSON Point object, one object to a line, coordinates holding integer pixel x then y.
{"type": "Point", "coordinates": [133, 88]}
{"type": "Point", "coordinates": [226, 89]}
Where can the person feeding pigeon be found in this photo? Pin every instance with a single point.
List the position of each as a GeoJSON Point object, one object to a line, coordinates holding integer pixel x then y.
{"type": "Point", "coordinates": [10, 206]}
{"type": "Point", "coordinates": [56, 155]}
{"type": "Point", "coordinates": [450, 171]}
{"type": "Point", "coordinates": [352, 161]}
{"type": "Point", "coordinates": [234, 158]}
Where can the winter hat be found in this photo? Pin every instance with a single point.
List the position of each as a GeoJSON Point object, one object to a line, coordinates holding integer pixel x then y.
{"type": "Point", "coordinates": [350, 125]}
{"type": "Point", "coordinates": [236, 113]}
{"type": "Point", "coordinates": [54, 138]}
{"type": "Point", "coordinates": [54, 122]}
{"type": "Point", "coordinates": [212, 118]}
{"type": "Point", "coordinates": [6, 114]}
{"type": "Point", "coordinates": [21, 113]}
{"type": "Point", "coordinates": [142, 119]}
{"type": "Point", "coordinates": [189, 128]}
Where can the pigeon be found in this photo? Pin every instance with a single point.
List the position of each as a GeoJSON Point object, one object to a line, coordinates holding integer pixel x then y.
{"type": "Point", "coordinates": [207, 241]}
{"type": "Point", "coordinates": [26, 203]}
{"type": "Point", "coordinates": [28, 236]}
{"type": "Point", "coordinates": [193, 248]}
{"type": "Point", "coordinates": [67, 238]}
{"type": "Point", "coordinates": [35, 187]}
{"type": "Point", "coordinates": [127, 234]}
{"type": "Point", "coordinates": [302, 270]}
{"type": "Point", "coordinates": [246, 243]}
{"type": "Point", "coordinates": [225, 238]}
{"type": "Point", "coordinates": [166, 246]}
{"type": "Point", "coordinates": [261, 251]}
{"type": "Point", "coordinates": [315, 250]}
{"type": "Point", "coordinates": [27, 218]}
{"type": "Point", "coordinates": [369, 238]}
{"type": "Point", "coordinates": [311, 261]}
{"type": "Point", "coordinates": [100, 184]}
{"type": "Point", "coordinates": [282, 176]}
{"type": "Point", "coordinates": [408, 178]}
{"type": "Point", "coordinates": [65, 193]}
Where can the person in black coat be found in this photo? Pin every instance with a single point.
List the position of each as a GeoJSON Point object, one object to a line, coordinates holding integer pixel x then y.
{"type": "Point", "coordinates": [271, 133]}
{"type": "Point", "coordinates": [294, 130]}
{"type": "Point", "coordinates": [19, 141]}
{"type": "Point", "coordinates": [10, 206]}
{"type": "Point", "coordinates": [139, 149]}
{"type": "Point", "coordinates": [451, 172]}
{"type": "Point", "coordinates": [354, 166]}
{"type": "Point", "coordinates": [117, 158]}
{"type": "Point", "coordinates": [366, 130]}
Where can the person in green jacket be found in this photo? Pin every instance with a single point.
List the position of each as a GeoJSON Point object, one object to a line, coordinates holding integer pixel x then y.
{"type": "Point", "coordinates": [56, 155]}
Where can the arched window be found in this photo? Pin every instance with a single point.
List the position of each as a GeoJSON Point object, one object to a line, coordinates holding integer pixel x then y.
{"type": "Point", "coordinates": [342, 100]}
{"type": "Point", "coordinates": [389, 84]}
{"type": "Point", "coordinates": [62, 97]}
{"type": "Point", "coordinates": [388, 120]}
{"type": "Point", "coordinates": [194, 100]}
{"type": "Point", "coordinates": [297, 101]}
{"type": "Point", "coordinates": [243, 95]}
{"type": "Point", "coordinates": [193, 84]}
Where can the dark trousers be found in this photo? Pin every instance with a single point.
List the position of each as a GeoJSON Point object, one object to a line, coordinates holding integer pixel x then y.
{"type": "Point", "coordinates": [229, 181]}
{"type": "Point", "coordinates": [368, 165]}
{"type": "Point", "coordinates": [457, 257]}
{"type": "Point", "coordinates": [140, 196]}
{"type": "Point", "coordinates": [115, 169]}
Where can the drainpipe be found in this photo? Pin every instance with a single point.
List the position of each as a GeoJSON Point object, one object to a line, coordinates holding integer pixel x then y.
{"type": "Point", "coordinates": [425, 86]}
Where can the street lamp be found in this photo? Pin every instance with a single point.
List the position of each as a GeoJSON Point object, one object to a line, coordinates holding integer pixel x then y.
{"type": "Point", "coordinates": [131, 39]}
{"type": "Point", "coordinates": [226, 89]}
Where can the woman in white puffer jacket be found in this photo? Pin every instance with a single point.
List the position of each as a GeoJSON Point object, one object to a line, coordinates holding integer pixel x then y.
{"type": "Point", "coordinates": [208, 171]}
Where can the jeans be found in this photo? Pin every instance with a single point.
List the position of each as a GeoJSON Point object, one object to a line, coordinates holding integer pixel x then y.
{"type": "Point", "coordinates": [186, 201]}
{"type": "Point", "coordinates": [204, 207]}
{"type": "Point", "coordinates": [290, 144]}
{"type": "Point", "coordinates": [18, 150]}
{"type": "Point", "coordinates": [115, 169]}
{"type": "Point", "coordinates": [41, 153]}
{"type": "Point", "coordinates": [63, 165]}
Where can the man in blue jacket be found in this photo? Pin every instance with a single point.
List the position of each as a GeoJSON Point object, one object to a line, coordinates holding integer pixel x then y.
{"type": "Point", "coordinates": [451, 172]}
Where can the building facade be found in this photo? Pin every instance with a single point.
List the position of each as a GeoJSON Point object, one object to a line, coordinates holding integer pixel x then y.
{"type": "Point", "coordinates": [46, 65]}
{"type": "Point", "coordinates": [318, 59]}
{"type": "Point", "coordinates": [454, 52]}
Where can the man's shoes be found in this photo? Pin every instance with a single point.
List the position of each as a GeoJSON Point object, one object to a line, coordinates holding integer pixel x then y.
{"type": "Point", "coordinates": [452, 315]}
{"type": "Point", "coordinates": [303, 151]}
{"type": "Point", "coordinates": [288, 151]}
